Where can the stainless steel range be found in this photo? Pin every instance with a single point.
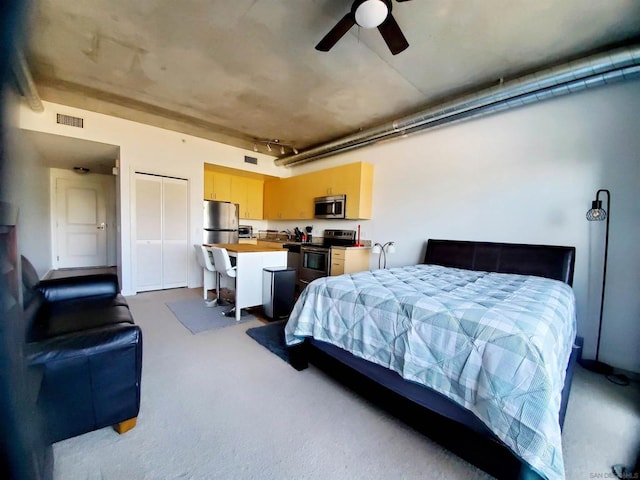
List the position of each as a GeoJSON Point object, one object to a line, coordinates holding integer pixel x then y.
{"type": "Point", "coordinates": [315, 260]}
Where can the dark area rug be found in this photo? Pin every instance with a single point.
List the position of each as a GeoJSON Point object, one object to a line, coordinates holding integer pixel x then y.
{"type": "Point", "coordinates": [197, 317]}
{"type": "Point", "coordinates": [271, 336]}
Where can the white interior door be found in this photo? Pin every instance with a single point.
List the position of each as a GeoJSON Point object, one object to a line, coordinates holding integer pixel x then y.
{"type": "Point", "coordinates": [81, 235]}
{"type": "Point", "coordinates": [161, 232]}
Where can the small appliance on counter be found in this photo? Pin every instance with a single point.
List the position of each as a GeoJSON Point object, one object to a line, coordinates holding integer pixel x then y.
{"type": "Point", "coordinates": [245, 231]}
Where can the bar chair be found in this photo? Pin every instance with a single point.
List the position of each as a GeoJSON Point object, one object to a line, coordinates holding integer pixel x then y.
{"type": "Point", "coordinates": [222, 264]}
{"type": "Point", "coordinates": [210, 279]}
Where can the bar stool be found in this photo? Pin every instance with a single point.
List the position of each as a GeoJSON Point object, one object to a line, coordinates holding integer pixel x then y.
{"type": "Point", "coordinates": [210, 279]}
{"type": "Point", "coordinates": [222, 264]}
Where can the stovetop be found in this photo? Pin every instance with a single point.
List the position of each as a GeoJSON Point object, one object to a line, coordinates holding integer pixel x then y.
{"type": "Point", "coordinates": [339, 238]}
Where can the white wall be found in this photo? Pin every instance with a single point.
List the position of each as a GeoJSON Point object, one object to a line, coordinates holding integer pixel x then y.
{"type": "Point", "coordinates": [527, 175]}
{"type": "Point", "coordinates": [25, 183]}
{"type": "Point", "coordinates": [149, 149]}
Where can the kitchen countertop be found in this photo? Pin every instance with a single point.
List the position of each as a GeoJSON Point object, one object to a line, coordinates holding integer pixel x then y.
{"type": "Point", "coordinates": [244, 247]}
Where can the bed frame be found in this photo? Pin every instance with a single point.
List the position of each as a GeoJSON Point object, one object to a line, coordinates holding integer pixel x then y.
{"type": "Point", "coordinates": [433, 414]}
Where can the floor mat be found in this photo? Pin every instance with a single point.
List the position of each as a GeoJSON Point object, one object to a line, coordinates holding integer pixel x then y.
{"type": "Point", "coordinates": [271, 337]}
{"type": "Point", "coordinates": [197, 317]}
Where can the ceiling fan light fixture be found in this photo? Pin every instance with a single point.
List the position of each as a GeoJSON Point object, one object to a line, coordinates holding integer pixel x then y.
{"type": "Point", "coordinates": [371, 13]}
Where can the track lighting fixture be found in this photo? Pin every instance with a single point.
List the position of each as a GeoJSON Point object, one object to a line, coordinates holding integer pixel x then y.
{"type": "Point", "coordinates": [281, 146]}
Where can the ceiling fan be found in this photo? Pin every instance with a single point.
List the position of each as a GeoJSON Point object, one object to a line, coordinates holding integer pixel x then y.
{"type": "Point", "coordinates": [368, 14]}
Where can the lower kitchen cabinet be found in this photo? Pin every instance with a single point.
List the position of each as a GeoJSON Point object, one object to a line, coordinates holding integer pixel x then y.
{"type": "Point", "coordinates": [349, 260]}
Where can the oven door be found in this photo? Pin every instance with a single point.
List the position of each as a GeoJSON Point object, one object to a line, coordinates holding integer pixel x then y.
{"type": "Point", "coordinates": [314, 263]}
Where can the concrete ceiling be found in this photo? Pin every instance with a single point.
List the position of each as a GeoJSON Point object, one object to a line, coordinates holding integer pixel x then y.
{"type": "Point", "coordinates": [236, 71]}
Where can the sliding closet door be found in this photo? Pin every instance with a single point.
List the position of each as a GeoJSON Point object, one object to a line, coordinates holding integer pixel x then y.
{"type": "Point", "coordinates": [161, 232]}
{"type": "Point", "coordinates": [174, 221]}
{"type": "Point", "coordinates": [148, 232]}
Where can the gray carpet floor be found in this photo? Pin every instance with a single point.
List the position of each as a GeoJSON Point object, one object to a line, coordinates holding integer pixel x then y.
{"type": "Point", "coordinates": [218, 405]}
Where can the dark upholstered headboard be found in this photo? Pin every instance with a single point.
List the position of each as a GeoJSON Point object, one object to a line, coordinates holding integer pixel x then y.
{"type": "Point", "coordinates": [540, 260]}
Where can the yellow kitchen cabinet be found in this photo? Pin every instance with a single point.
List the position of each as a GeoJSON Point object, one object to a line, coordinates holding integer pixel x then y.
{"type": "Point", "coordinates": [208, 185]}
{"type": "Point", "coordinates": [255, 199]}
{"type": "Point", "coordinates": [300, 204]}
{"type": "Point", "coordinates": [217, 186]}
{"type": "Point", "coordinates": [248, 194]}
{"type": "Point", "coordinates": [355, 180]}
{"type": "Point", "coordinates": [292, 198]}
{"type": "Point", "coordinates": [274, 199]}
{"type": "Point", "coordinates": [349, 260]}
{"type": "Point", "coordinates": [287, 199]}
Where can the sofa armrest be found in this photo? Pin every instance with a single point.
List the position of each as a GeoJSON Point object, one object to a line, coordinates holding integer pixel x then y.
{"type": "Point", "coordinates": [59, 289]}
{"type": "Point", "coordinates": [83, 344]}
{"type": "Point", "coordinates": [90, 379]}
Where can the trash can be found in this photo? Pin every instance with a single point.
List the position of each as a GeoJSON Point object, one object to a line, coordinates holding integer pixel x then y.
{"type": "Point", "coordinates": [278, 291]}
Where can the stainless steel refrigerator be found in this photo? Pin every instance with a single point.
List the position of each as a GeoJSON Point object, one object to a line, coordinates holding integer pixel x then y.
{"type": "Point", "coordinates": [220, 222]}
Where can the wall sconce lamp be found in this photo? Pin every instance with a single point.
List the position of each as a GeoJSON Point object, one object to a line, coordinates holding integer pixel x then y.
{"type": "Point", "coordinates": [598, 214]}
{"type": "Point", "coordinates": [383, 250]}
{"type": "Point", "coordinates": [270, 144]}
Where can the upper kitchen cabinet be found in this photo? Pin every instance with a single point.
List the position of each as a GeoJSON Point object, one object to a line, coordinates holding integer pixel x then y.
{"type": "Point", "coordinates": [245, 188]}
{"type": "Point", "coordinates": [273, 199]}
{"type": "Point", "coordinates": [279, 199]}
{"type": "Point", "coordinates": [217, 186]}
{"type": "Point", "coordinates": [354, 180]}
{"type": "Point", "coordinates": [248, 193]}
{"type": "Point", "coordinates": [292, 198]}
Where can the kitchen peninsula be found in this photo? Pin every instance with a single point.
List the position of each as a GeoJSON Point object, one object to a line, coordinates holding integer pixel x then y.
{"type": "Point", "coordinates": [250, 261]}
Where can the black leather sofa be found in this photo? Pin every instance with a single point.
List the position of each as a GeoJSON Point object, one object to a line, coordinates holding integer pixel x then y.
{"type": "Point", "coordinates": [81, 338]}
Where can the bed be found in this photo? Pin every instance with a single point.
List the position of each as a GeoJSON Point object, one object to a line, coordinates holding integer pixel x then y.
{"type": "Point", "coordinates": [475, 347]}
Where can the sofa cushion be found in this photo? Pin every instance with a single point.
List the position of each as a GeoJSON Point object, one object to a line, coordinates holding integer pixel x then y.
{"type": "Point", "coordinates": [87, 304]}
{"type": "Point", "coordinates": [72, 320]}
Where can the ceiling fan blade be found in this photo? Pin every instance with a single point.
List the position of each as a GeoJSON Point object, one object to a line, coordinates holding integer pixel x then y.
{"type": "Point", "coordinates": [337, 32]}
{"type": "Point", "coordinates": [393, 37]}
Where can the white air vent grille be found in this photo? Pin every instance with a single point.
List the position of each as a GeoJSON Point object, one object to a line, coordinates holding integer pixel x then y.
{"type": "Point", "coordinates": [70, 121]}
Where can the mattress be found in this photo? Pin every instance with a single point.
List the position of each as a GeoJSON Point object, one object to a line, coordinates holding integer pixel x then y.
{"type": "Point", "coordinates": [496, 344]}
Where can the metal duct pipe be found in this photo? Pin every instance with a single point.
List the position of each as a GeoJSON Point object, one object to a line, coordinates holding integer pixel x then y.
{"type": "Point", "coordinates": [25, 82]}
{"type": "Point", "coordinates": [601, 69]}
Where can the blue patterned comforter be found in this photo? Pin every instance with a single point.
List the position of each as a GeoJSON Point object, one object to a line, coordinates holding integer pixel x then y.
{"type": "Point", "coordinates": [497, 344]}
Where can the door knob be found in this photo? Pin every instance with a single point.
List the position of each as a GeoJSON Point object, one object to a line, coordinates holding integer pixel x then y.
{"type": "Point", "coordinates": [101, 226]}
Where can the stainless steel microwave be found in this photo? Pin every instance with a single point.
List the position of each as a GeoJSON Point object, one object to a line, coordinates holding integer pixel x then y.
{"type": "Point", "coordinates": [330, 207]}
